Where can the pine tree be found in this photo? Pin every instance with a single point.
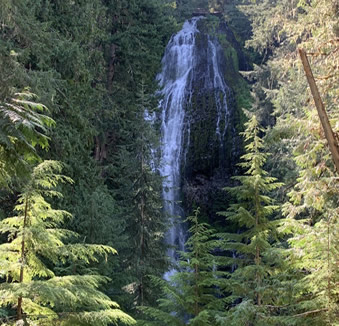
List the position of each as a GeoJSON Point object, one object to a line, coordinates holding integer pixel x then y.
{"type": "Point", "coordinates": [250, 286]}
{"type": "Point", "coordinates": [151, 221]}
{"type": "Point", "coordinates": [82, 60]}
{"type": "Point", "coordinates": [312, 227]}
{"type": "Point", "coordinates": [23, 126]}
{"type": "Point", "coordinates": [200, 279]}
{"type": "Point", "coordinates": [192, 295]}
{"type": "Point", "coordinates": [35, 260]}
{"type": "Point", "coordinates": [144, 250]}
{"type": "Point", "coordinates": [311, 223]}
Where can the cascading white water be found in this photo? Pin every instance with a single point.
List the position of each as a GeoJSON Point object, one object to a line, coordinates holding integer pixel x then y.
{"type": "Point", "coordinates": [181, 65]}
{"type": "Point", "coordinates": [220, 90]}
{"type": "Point", "coordinates": [175, 80]}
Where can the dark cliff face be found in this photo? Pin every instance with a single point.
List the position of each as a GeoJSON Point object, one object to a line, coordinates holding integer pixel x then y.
{"type": "Point", "coordinates": [213, 117]}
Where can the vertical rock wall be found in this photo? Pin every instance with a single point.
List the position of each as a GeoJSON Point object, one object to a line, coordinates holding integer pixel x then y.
{"type": "Point", "coordinates": [213, 117]}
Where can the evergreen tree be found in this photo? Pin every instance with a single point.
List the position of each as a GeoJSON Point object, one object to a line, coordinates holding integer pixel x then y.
{"type": "Point", "coordinates": [82, 60]}
{"type": "Point", "coordinates": [200, 279]}
{"type": "Point", "coordinates": [250, 286]}
{"type": "Point", "coordinates": [312, 225]}
{"type": "Point", "coordinates": [192, 295]}
{"type": "Point", "coordinates": [22, 128]}
{"type": "Point", "coordinates": [144, 251]}
{"type": "Point", "coordinates": [311, 213]}
{"type": "Point", "coordinates": [34, 262]}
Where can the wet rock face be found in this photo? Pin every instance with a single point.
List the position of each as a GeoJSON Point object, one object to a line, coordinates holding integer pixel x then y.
{"type": "Point", "coordinates": [212, 119]}
{"type": "Point", "coordinates": [209, 110]}
{"type": "Point", "coordinates": [200, 116]}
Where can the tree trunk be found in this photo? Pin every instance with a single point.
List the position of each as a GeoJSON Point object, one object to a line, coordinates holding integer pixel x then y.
{"type": "Point", "coordinates": [142, 248]}
{"type": "Point", "coordinates": [196, 277]}
{"type": "Point", "coordinates": [100, 149]}
{"type": "Point", "coordinates": [97, 149]}
{"type": "Point", "coordinates": [21, 279]}
{"type": "Point", "coordinates": [142, 238]}
{"type": "Point", "coordinates": [111, 67]}
{"type": "Point", "coordinates": [332, 142]}
{"type": "Point", "coordinates": [257, 249]}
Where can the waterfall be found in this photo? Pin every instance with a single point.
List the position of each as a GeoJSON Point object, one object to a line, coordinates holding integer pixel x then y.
{"type": "Point", "coordinates": [175, 80]}
{"type": "Point", "coordinates": [182, 65]}
{"type": "Point", "coordinates": [220, 90]}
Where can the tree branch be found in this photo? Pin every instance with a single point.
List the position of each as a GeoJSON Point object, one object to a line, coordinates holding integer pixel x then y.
{"type": "Point", "coordinates": [310, 312]}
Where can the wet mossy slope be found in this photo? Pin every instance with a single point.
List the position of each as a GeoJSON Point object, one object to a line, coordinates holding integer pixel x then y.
{"type": "Point", "coordinates": [210, 159]}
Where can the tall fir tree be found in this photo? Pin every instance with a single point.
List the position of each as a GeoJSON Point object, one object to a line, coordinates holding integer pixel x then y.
{"type": "Point", "coordinates": [145, 223]}
{"type": "Point", "coordinates": [312, 227]}
{"type": "Point", "coordinates": [23, 127]}
{"type": "Point", "coordinates": [250, 285]}
{"type": "Point", "coordinates": [298, 141]}
{"type": "Point", "coordinates": [192, 295]}
{"type": "Point", "coordinates": [35, 262]}
{"type": "Point", "coordinates": [82, 60]}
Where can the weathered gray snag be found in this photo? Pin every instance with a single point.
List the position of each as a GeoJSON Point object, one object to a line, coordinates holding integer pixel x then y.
{"type": "Point", "coordinates": [332, 142]}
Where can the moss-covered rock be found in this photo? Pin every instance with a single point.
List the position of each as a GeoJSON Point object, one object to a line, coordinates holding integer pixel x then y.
{"type": "Point", "coordinates": [212, 126]}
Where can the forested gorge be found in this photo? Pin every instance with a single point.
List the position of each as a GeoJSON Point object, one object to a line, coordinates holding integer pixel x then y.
{"type": "Point", "coordinates": [83, 219]}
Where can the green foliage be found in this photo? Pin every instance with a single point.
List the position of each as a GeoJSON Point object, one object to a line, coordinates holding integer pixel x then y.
{"type": "Point", "coordinates": [199, 277]}
{"type": "Point", "coordinates": [85, 60]}
{"type": "Point", "coordinates": [22, 128]}
{"type": "Point", "coordinates": [251, 284]}
{"type": "Point", "coordinates": [36, 245]}
{"type": "Point", "coordinates": [143, 253]}
{"type": "Point", "coordinates": [185, 8]}
{"type": "Point", "coordinates": [312, 225]}
{"type": "Point", "coordinates": [193, 292]}
{"type": "Point", "coordinates": [299, 145]}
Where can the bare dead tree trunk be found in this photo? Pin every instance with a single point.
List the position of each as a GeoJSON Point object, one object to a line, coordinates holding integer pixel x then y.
{"type": "Point", "coordinates": [332, 142]}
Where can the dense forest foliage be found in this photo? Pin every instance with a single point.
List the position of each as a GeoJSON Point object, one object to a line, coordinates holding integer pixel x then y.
{"type": "Point", "coordinates": [77, 175]}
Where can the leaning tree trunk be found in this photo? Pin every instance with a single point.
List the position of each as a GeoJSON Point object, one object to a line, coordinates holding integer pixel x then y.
{"type": "Point", "coordinates": [332, 142]}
